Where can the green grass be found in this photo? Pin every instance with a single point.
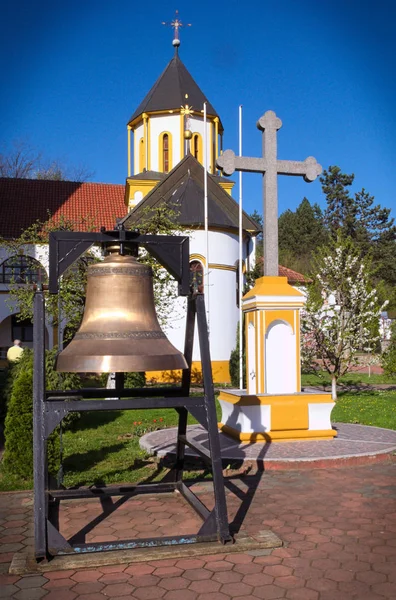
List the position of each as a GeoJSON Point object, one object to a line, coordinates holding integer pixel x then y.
{"type": "Point", "coordinates": [376, 408]}
{"type": "Point", "coordinates": [103, 447]}
{"type": "Point", "coordinates": [323, 378]}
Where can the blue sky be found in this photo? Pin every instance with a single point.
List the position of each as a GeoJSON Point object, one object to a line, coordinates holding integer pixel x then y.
{"type": "Point", "coordinates": [74, 72]}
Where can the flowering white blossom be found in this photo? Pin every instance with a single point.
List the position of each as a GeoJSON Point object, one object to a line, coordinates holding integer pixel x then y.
{"type": "Point", "coordinates": [342, 317]}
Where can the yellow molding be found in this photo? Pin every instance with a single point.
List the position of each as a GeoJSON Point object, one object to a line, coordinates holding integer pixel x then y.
{"type": "Point", "coordinates": [148, 145]}
{"type": "Point", "coordinates": [142, 155]}
{"type": "Point", "coordinates": [216, 122]}
{"type": "Point", "coordinates": [129, 150]}
{"type": "Point", "coordinates": [181, 136]}
{"type": "Point", "coordinates": [220, 371]}
{"type": "Point", "coordinates": [199, 257]}
{"type": "Point", "coordinates": [167, 112]}
{"type": "Point", "coordinates": [301, 398]}
{"type": "Point", "coordinates": [279, 315]}
{"type": "Point", "coordinates": [272, 286]}
{"type": "Point", "coordinates": [222, 267]}
{"type": "Point", "coordinates": [227, 186]}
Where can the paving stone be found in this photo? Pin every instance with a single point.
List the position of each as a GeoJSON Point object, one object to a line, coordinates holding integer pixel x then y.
{"type": "Point", "coordinates": [227, 576]}
{"type": "Point", "coordinates": [31, 582]}
{"type": "Point", "coordinates": [7, 590]}
{"type": "Point", "coordinates": [84, 576]}
{"type": "Point", "coordinates": [118, 589]}
{"type": "Point", "coordinates": [62, 595]}
{"type": "Point", "coordinates": [236, 589]}
{"type": "Point", "coordinates": [176, 583]}
{"type": "Point", "coordinates": [205, 586]}
{"type": "Point", "coordinates": [149, 593]}
{"type": "Point", "coordinates": [198, 574]}
{"type": "Point", "coordinates": [269, 592]}
{"type": "Point", "coordinates": [180, 595]}
{"type": "Point", "coordinates": [30, 594]}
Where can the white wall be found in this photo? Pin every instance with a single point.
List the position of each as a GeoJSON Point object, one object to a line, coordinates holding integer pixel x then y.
{"type": "Point", "coordinates": [158, 125]}
{"type": "Point", "coordinates": [280, 363]}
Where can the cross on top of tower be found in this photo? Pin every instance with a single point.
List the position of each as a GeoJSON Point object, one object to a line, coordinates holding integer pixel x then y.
{"type": "Point", "coordinates": [176, 24]}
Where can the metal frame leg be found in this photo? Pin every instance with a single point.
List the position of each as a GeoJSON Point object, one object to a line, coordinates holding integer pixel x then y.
{"type": "Point", "coordinates": [39, 439]}
{"type": "Point", "coordinates": [210, 407]}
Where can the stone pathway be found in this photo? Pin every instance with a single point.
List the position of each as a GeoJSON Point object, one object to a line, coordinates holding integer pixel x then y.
{"type": "Point", "coordinates": [354, 444]}
{"type": "Point", "coordinates": [338, 527]}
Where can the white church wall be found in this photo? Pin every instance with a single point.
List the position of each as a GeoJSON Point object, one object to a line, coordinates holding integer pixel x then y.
{"type": "Point", "coordinates": [197, 126]}
{"type": "Point", "coordinates": [158, 125]}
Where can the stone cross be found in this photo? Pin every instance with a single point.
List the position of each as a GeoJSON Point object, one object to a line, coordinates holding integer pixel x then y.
{"type": "Point", "coordinates": [270, 167]}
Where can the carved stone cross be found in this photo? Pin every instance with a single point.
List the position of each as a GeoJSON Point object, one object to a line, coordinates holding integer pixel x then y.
{"type": "Point", "coordinates": [270, 167]}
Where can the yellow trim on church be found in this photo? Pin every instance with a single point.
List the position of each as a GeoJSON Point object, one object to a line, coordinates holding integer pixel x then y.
{"type": "Point", "coordinates": [220, 371]}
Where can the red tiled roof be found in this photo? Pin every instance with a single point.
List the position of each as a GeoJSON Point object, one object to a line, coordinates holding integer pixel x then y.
{"type": "Point", "coordinates": [88, 205]}
{"type": "Point", "coordinates": [293, 276]}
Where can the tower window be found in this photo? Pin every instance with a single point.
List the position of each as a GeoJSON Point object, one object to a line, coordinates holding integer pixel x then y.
{"type": "Point", "coordinates": [197, 147]}
{"type": "Point", "coordinates": [196, 276]}
{"type": "Point", "coordinates": [165, 152]}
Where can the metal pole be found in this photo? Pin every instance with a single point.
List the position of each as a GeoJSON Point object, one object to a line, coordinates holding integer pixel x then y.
{"type": "Point", "coordinates": [39, 441]}
{"type": "Point", "coordinates": [240, 283]}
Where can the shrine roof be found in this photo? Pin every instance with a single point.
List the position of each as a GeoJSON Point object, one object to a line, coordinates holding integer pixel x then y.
{"type": "Point", "coordinates": [88, 205]}
{"type": "Point", "coordinates": [170, 89]}
{"type": "Point", "coordinates": [183, 192]}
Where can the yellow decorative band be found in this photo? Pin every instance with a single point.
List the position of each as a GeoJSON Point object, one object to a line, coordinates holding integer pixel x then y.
{"type": "Point", "coordinates": [222, 267]}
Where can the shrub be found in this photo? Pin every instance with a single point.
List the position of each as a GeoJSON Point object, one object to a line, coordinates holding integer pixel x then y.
{"type": "Point", "coordinates": [234, 364]}
{"type": "Point", "coordinates": [388, 362]}
{"type": "Point", "coordinates": [18, 453]}
{"type": "Point", "coordinates": [18, 400]}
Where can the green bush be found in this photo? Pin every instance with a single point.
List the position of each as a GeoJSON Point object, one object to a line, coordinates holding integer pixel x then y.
{"type": "Point", "coordinates": [18, 404]}
{"type": "Point", "coordinates": [18, 452]}
{"type": "Point", "coordinates": [234, 364]}
{"type": "Point", "coordinates": [388, 361]}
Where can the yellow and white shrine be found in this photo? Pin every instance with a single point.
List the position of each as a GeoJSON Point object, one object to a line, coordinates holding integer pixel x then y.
{"type": "Point", "coordinates": [273, 407]}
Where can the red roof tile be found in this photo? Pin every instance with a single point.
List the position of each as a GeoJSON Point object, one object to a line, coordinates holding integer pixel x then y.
{"type": "Point", "coordinates": [293, 276]}
{"type": "Point", "coordinates": [88, 205]}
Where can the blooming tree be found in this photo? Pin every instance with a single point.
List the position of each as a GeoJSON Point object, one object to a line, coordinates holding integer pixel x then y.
{"type": "Point", "coordinates": [342, 313]}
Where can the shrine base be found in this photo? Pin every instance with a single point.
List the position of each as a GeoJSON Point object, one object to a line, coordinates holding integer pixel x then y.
{"type": "Point", "coordinates": [276, 417]}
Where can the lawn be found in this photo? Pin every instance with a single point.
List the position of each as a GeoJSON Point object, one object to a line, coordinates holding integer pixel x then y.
{"type": "Point", "coordinates": [104, 446]}
{"type": "Point", "coordinates": [323, 378]}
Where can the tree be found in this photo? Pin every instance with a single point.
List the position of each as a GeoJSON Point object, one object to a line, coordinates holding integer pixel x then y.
{"type": "Point", "coordinates": [300, 233]}
{"type": "Point", "coordinates": [369, 225]}
{"type": "Point", "coordinates": [354, 216]}
{"type": "Point", "coordinates": [342, 313]}
{"type": "Point", "coordinates": [24, 162]}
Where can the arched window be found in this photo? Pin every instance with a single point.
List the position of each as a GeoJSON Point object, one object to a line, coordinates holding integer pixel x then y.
{"type": "Point", "coordinates": [142, 155]}
{"type": "Point", "coordinates": [22, 269]}
{"type": "Point", "coordinates": [196, 276]}
{"type": "Point", "coordinates": [165, 152]}
{"type": "Point", "coordinates": [197, 147]}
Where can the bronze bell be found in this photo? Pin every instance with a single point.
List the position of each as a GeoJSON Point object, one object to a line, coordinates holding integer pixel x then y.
{"type": "Point", "coordinates": [119, 330]}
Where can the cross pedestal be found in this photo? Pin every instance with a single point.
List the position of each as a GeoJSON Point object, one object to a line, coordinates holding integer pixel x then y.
{"type": "Point", "coordinates": [273, 406]}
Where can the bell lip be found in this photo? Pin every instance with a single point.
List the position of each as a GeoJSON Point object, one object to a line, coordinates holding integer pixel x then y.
{"type": "Point", "coordinates": [84, 364]}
